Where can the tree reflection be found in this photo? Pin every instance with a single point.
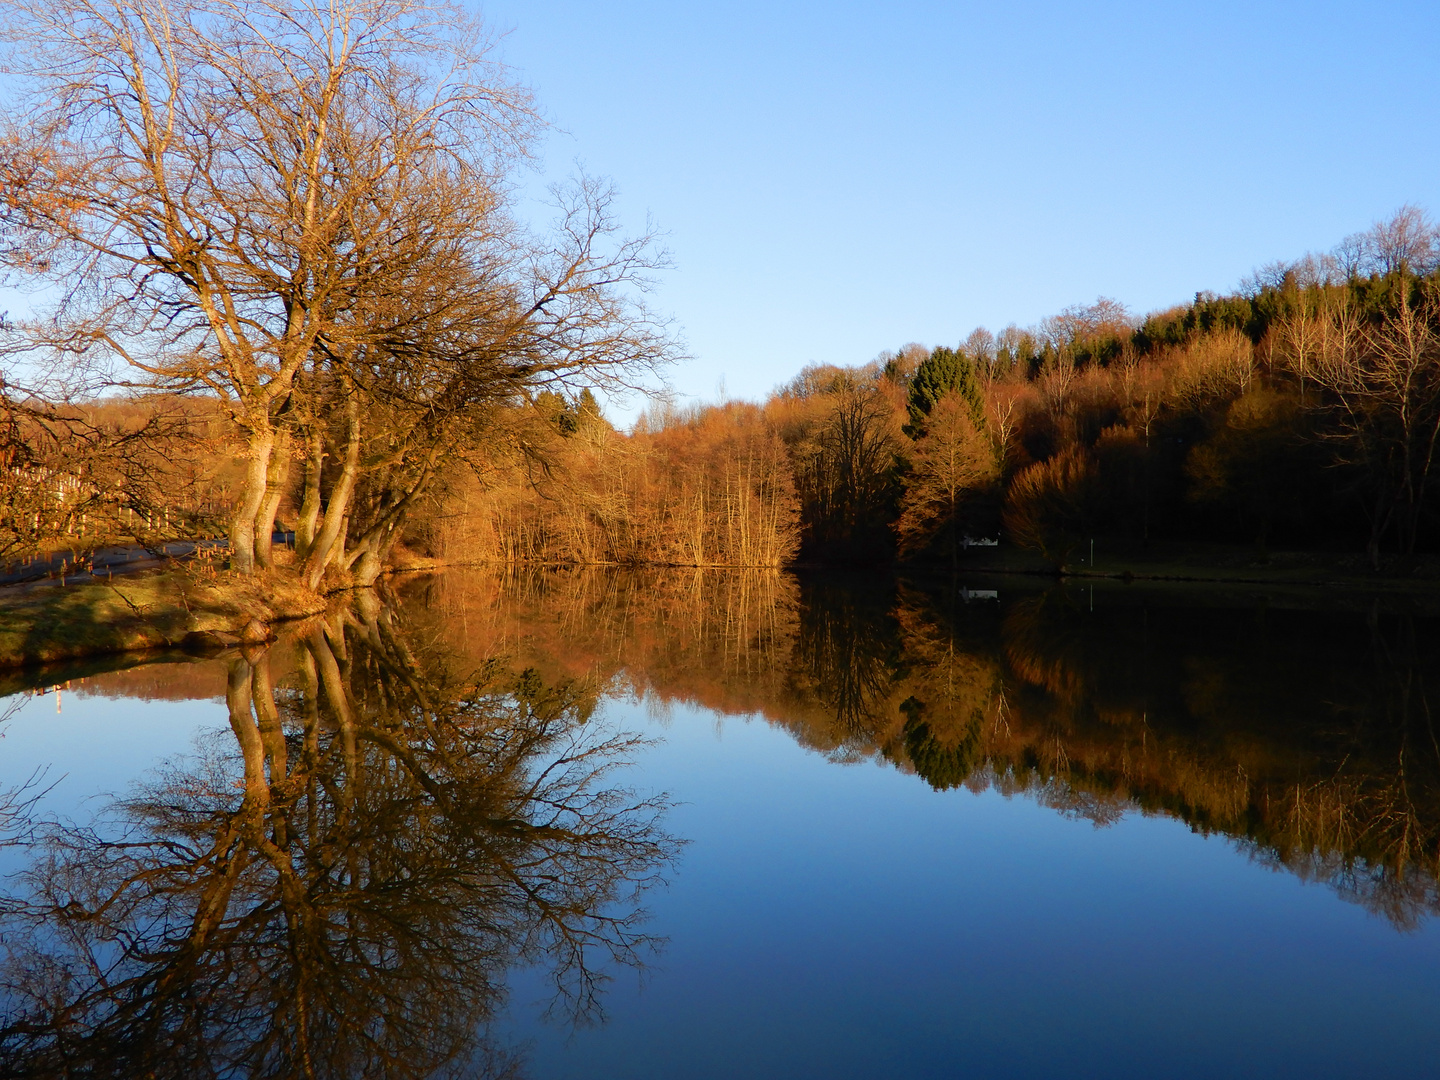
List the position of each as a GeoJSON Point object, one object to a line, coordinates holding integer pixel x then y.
{"type": "Point", "coordinates": [1301, 727]}
{"type": "Point", "coordinates": [337, 886]}
{"type": "Point", "coordinates": [846, 660]}
{"type": "Point", "coordinates": [1308, 737]}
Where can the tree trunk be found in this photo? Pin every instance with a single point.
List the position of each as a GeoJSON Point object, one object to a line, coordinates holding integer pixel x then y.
{"type": "Point", "coordinates": [309, 518]}
{"type": "Point", "coordinates": [337, 510]}
{"type": "Point", "coordinates": [367, 558]}
{"type": "Point", "coordinates": [242, 525]}
{"type": "Point", "coordinates": [371, 561]}
{"type": "Point", "coordinates": [275, 479]}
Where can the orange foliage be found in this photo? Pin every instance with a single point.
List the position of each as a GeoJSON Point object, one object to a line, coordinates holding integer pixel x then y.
{"type": "Point", "coordinates": [710, 489]}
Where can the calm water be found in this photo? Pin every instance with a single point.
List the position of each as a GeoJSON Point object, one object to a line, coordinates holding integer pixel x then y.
{"type": "Point", "coordinates": [593, 825]}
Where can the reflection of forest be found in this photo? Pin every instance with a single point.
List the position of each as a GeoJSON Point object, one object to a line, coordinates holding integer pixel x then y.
{"type": "Point", "coordinates": [337, 885]}
{"type": "Point", "coordinates": [1305, 735]}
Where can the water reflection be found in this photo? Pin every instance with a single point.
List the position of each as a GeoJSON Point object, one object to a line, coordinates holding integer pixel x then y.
{"type": "Point", "coordinates": [1306, 735]}
{"type": "Point", "coordinates": [337, 885]}
{"type": "Point", "coordinates": [1300, 726]}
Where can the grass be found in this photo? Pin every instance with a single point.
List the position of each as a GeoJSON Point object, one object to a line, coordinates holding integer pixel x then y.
{"type": "Point", "coordinates": [154, 610]}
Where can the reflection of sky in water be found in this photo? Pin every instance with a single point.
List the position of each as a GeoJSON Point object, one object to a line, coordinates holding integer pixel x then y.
{"type": "Point", "coordinates": [96, 745]}
{"type": "Point", "coordinates": [833, 921]}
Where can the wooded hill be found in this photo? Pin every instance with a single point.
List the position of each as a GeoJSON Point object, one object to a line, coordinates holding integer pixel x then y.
{"type": "Point", "coordinates": [323, 301]}
{"type": "Point", "coordinates": [1302, 410]}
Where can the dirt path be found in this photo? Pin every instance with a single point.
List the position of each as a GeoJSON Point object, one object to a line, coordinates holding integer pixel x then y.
{"type": "Point", "coordinates": [109, 561]}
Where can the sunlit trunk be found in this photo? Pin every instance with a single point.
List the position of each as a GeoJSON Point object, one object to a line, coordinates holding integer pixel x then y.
{"type": "Point", "coordinates": [309, 518]}
{"type": "Point", "coordinates": [370, 562]}
{"type": "Point", "coordinates": [337, 509]}
{"type": "Point", "coordinates": [257, 474]}
{"type": "Point", "coordinates": [276, 477]}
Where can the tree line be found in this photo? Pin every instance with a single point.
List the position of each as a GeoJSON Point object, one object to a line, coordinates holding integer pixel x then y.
{"type": "Point", "coordinates": [1302, 409]}
{"type": "Point", "coordinates": [281, 282]}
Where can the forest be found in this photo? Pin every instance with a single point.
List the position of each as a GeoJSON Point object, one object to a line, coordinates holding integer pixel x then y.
{"type": "Point", "coordinates": [1302, 410]}
{"type": "Point", "coordinates": [305, 307]}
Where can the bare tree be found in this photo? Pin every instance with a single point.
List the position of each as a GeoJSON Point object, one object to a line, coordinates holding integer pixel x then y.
{"type": "Point", "coordinates": [1385, 386]}
{"type": "Point", "coordinates": [80, 477]}
{"type": "Point", "coordinates": [980, 348]}
{"type": "Point", "coordinates": [422, 382]}
{"type": "Point", "coordinates": [1350, 257]}
{"type": "Point", "coordinates": [846, 470]}
{"type": "Point", "coordinates": [299, 207]}
{"type": "Point", "coordinates": [1082, 321]}
{"type": "Point", "coordinates": [1408, 241]}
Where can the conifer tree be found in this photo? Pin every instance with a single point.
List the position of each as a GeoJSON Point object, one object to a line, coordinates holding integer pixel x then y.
{"type": "Point", "coordinates": [944, 370]}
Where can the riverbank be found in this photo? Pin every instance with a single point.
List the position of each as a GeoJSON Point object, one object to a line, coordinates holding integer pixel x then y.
{"type": "Point", "coordinates": [159, 609]}
{"type": "Point", "coordinates": [45, 622]}
{"type": "Point", "coordinates": [1218, 564]}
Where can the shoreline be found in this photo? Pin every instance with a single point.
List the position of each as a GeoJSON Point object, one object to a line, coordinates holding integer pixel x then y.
{"type": "Point", "coordinates": [162, 609]}
{"type": "Point", "coordinates": [1308, 573]}
{"type": "Point", "coordinates": [145, 611]}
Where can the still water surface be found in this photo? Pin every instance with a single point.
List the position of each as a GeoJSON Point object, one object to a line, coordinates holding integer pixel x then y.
{"type": "Point", "coordinates": [702, 825]}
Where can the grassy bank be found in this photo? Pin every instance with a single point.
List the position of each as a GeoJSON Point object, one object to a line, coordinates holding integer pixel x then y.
{"type": "Point", "coordinates": [157, 610]}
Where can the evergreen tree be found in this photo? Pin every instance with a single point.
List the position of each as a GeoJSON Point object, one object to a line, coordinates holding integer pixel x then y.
{"type": "Point", "coordinates": [943, 370]}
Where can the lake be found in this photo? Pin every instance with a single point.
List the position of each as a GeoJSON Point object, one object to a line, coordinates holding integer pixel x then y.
{"type": "Point", "coordinates": [592, 824]}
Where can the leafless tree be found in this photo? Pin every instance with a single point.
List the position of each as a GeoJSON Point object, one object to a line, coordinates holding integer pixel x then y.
{"type": "Point", "coordinates": [846, 468]}
{"type": "Point", "coordinates": [80, 477]}
{"type": "Point", "coordinates": [406, 400]}
{"type": "Point", "coordinates": [1407, 241]}
{"type": "Point", "coordinates": [1081, 321]}
{"type": "Point", "coordinates": [1384, 382]}
{"type": "Point", "coordinates": [980, 348]}
{"type": "Point", "coordinates": [1349, 256]}
{"type": "Point", "coordinates": [300, 207]}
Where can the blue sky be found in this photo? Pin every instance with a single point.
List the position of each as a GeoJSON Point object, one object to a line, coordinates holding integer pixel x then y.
{"type": "Point", "coordinates": [837, 179]}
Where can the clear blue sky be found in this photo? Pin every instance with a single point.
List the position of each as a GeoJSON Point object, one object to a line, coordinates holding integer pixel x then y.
{"type": "Point", "coordinates": [837, 179]}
